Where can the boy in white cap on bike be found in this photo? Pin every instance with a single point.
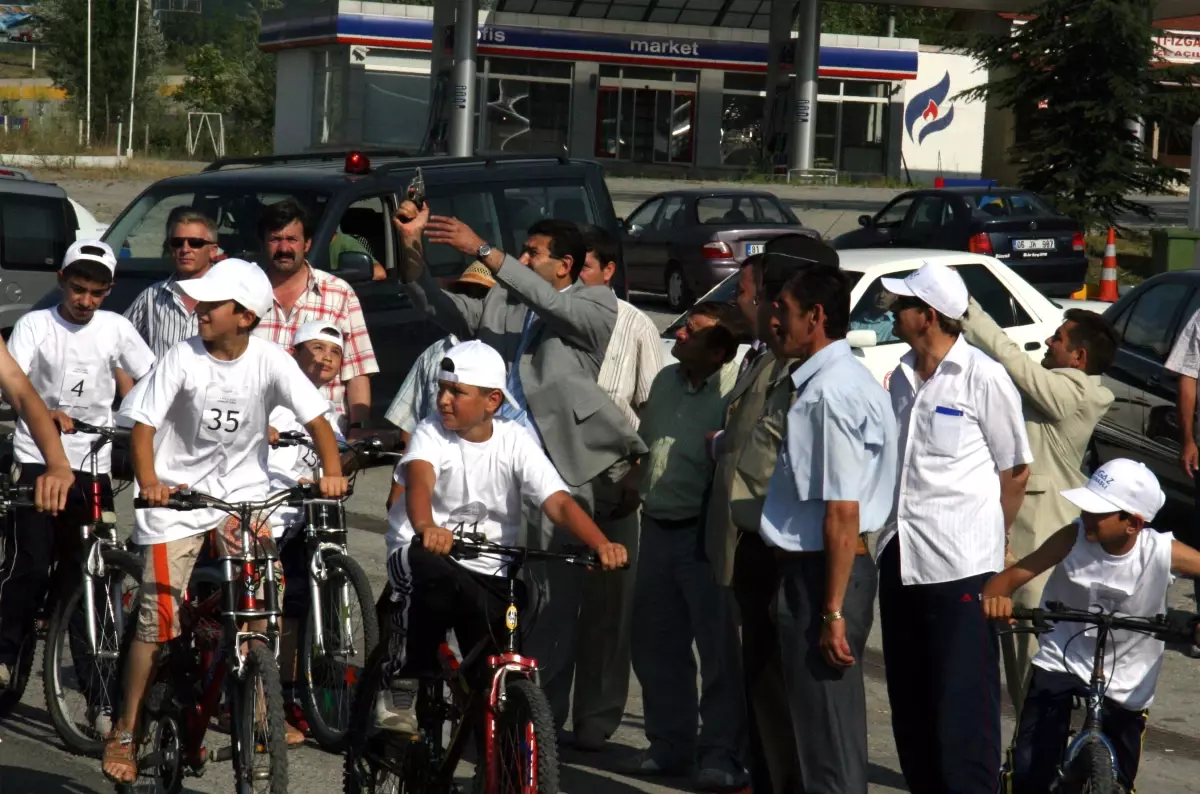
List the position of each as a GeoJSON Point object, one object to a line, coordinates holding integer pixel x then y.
{"type": "Point", "coordinates": [200, 421]}
{"type": "Point", "coordinates": [1106, 560]}
{"type": "Point", "coordinates": [460, 456]}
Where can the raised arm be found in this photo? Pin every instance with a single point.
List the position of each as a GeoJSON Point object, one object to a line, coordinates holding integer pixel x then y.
{"type": "Point", "coordinates": [457, 314]}
{"type": "Point", "coordinates": [997, 593]}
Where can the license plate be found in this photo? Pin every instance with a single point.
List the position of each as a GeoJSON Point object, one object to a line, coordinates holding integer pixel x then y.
{"type": "Point", "coordinates": [1033, 245]}
{"type": "Point", "coordinates": [754, 248]}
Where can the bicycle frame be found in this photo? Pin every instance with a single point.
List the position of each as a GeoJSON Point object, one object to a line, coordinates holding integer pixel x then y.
{"type": "Point", "coordinates": [1092, 730]}
{"type": "Point", "coordinates": [96, 536]}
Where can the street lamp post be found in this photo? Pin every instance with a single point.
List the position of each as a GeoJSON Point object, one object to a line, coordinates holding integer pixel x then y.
{"type": "Point", "coordinates": [88, 132]}
{"type": "Point", "coordinates": [137, 7]}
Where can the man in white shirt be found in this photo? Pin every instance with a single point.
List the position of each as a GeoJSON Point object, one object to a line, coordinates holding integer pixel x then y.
{"type": "Point", "coordinates": [602, 659]}
{"type": "Point", "coordinates": [964, 459]}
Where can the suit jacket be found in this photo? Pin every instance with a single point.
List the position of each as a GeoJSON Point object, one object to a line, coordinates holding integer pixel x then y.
{"type": "Point", "coordinates": [746, 457]}
{"type": "Point", "coordinates": [584, 431]}
{"type": "Point", "coordinates": [1061, 407]}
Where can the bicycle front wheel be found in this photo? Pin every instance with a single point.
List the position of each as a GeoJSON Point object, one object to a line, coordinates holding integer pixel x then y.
{"type": "Point", "coordinates": [1092, 772]}
{"type": "Point", "coordinates": [521, 752]}
{"type": "Point", "coordinates": [332, 669]}
{"type": "Point", "coordinates": [259, 731]}
{"type": "Point", "coordinates": [82, 687]}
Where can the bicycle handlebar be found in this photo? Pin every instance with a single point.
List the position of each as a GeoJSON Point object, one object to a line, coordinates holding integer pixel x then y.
{"type": "Point", "coordinates": [1176, 624]}
{"type": "Point", "coordinates": [13, 495]}
{"type": "Point", "coordinates": [473, 544]}
{"type": "Point", "coordinates": [194, 500]}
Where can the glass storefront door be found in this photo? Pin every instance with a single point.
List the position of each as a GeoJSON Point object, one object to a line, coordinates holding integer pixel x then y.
{"type": "Point", "coordinates": [645, 120]}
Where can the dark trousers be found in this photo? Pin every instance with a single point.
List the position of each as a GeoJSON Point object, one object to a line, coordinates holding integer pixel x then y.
{"type": "Point", "coordinates": [34, 543]}
{"type": "Point", "coordinates": [772, 742]}
{"type": "Point", "coordinates": [828, 705]}
{"type": "Point", "coordinates": [943, 677]}
{"type": "Point", "coordinates": [1046, 722]}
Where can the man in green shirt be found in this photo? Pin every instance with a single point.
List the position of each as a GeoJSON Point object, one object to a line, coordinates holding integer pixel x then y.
{"type": "Point", "coordinates": [677, 600]}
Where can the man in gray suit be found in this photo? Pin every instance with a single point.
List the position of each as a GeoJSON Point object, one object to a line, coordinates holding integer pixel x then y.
{"type": "Point", "coordinates": [553, 333]}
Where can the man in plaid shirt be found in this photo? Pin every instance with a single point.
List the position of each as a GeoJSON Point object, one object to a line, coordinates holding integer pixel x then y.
{"type": "Point", "coordinates": [303, 293]}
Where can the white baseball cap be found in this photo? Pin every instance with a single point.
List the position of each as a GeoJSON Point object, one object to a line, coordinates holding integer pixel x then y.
{"type": "Point", "coordinates": [317, 329]}
{"type": "Point", "coordinates": [96, 251]}
{"type": "Point", "coordinates": [476, 364]}
{"type": "Point", "coordinates": [1120, 484]}
{"type": "Point", "coordinates": [936, 284]}
{"type": "Point", "coordinates": [232, 280]}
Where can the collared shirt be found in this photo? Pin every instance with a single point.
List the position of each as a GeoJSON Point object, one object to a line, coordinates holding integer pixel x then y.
{"type": "Point", "coordinates": [162, 317]}
{"type": "Point", "coordinates": [1185, 356]}
{"type": "Point", "coordinates": [417, 397]}
{"type": "Point", "coordinates": [631, 362]}
{"type": "Point", "coordinates": [675, 421]}
{"type": "Point", "coordinates": [958, 430]}
{"type": "Point", "coordinates": [841, 447]}
{"type": "Point", "coordinates": [326, 297]}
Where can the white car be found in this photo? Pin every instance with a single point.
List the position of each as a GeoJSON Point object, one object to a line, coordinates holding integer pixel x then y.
{"type": "Point", "coordinates": [1027, 316]}
{"type": "Point", "coordinates": [87, 227]}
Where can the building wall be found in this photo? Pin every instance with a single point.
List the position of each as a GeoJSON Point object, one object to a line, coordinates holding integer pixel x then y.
{"type": "Point", "coordinates": [293, 101]}
{"type": "Point", "coordinates": [943, 135]}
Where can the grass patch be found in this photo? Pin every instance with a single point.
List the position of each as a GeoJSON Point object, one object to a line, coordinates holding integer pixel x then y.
{"type": "Point", "coordinates": [138, 169]}
{"type": "Point", "coordinates": [1134, 264]}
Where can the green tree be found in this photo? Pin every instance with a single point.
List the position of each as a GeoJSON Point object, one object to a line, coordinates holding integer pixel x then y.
{"type": "Point", "coordinates": [930, 25]}
{"type": "Point", "coordinates": [1079, 76]}
{"type": "Point", "coordinates": [64, 35]}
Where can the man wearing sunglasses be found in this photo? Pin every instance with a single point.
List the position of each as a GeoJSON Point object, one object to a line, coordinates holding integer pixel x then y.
{"type": "Point", "coordinates": [161, 314]}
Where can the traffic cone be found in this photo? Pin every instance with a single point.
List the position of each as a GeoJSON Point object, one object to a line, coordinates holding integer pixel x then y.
{"type": "Point", "coordinates": [1108, 271]}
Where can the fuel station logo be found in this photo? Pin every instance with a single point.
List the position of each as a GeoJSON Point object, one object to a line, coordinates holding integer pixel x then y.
{"type": "Point", "coordinates": [929, 111]}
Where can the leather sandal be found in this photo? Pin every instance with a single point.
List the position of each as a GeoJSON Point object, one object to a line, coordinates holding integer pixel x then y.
{"type": "Point", "coordinates": [119, 749]}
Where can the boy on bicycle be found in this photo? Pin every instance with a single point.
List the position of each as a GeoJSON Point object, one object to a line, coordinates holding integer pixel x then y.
{"type": "Point", "coordinates": [69, 353]}
{"type": "Point", "coordinates": [1107, 559]}
{"type": "Point", "coordinates": [464, 455]}
{"type": "Point", "coordinates": [200, 421]}
{"type": "Point", "coordinates": [317, 348]}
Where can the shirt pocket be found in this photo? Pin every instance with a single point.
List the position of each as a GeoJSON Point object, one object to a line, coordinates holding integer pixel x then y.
{"type": "Point", "coordinates": [945, 430]}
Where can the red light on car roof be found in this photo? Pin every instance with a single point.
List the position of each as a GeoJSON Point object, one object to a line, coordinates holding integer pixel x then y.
{"type": "Point", "coordinates": [357, 163]}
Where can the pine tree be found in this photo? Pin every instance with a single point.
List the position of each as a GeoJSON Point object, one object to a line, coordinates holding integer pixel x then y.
{"type": "Point", "coordinates": [1079, 76]}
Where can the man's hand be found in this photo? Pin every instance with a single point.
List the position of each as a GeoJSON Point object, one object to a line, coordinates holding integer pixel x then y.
{"type": "Point", "coordinates": [438, 540]}
{"type": "Point", "coordinates": [1190, 457]}
{"type": "Point", "coordinates": [612, 556]}
{"type": "Point", "coordinates": [333, 487]}
{"type": "Point", "coordinates": [50, 492]}
{"type": "Point", "coordinates": [409, 222]}
{"type": "Point", "coordinates": [998, 608]}
{"type": "Point", "coordinates": [64, 422]}
{"type": "Point", "coordinates": [834, 646]}
{"type": "Point", "coordinates": [157, 494]}
{"type": "Point", "coordinates": [272, 436]}
{"type": "Point", "coordinates": [454, 233]}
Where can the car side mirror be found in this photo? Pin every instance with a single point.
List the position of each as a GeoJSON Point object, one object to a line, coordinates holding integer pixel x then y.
{"type": "Point", "coordinates": [355, 267]}
{"type": "Point", "coordinates": [862, 338]}
{"type": "Point", "coordinates": [634, 230]}
{"type": "Point", "coordinates": [866, 221]}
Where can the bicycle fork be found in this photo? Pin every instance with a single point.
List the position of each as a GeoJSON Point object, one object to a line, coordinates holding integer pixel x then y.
{"type": "Point", "coordinates": [94, 570]}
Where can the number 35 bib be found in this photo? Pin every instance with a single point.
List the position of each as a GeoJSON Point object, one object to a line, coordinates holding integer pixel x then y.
{"type": "Point", "coordinates": [223, 413]}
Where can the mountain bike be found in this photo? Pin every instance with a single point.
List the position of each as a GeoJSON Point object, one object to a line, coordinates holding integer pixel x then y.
{"type": "Point", "coordinates": [1089, 764]}
{"type": "Point", "coordinates": [518, 750]}
{"type": "Point", "coordinates": [339, 634]}
{"type": "Point", "coordinates": [216, 655]}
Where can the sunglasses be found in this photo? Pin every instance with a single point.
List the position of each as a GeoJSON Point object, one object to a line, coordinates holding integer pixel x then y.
{"type": "Point", "coordinates": [192, 242]}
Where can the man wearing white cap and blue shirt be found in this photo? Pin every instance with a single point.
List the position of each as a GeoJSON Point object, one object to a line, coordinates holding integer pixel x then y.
{"type": "Point", "coordinates": [1107, 560]}
{"type": "Point", "coordinates": [963, 463]}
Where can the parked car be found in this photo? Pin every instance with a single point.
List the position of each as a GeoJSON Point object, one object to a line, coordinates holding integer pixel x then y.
{"type": "Point", "coordinates": [354, 193]}
{"type": "Point", "coordinates": [684, 242]}
{"type": "Point", "coordinates": [1015, 226]}
{"type": "Point", "coordinates": [1026, 315]}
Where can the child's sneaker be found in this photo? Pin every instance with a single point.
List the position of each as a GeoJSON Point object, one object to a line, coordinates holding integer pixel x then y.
{"type": "Point", "coordinates": [396, 707]}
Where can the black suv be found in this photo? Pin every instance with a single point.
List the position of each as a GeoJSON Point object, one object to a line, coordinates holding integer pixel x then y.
{"type": "Point", "coordinates": [356, 193]}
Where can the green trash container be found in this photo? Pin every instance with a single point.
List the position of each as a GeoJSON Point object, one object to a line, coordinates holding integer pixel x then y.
{"type": "Point", "coordinates": [1173, 248]}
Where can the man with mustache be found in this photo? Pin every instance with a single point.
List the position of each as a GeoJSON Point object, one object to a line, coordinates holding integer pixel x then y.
{"type": "Point", "coordinates": [303, 294]}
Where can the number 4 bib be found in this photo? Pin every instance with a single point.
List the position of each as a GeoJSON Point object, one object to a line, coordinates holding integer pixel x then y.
{"type": "Point", "coordinates": [77, 385]}
{"type": "Point", "coordinates": [223, 413]}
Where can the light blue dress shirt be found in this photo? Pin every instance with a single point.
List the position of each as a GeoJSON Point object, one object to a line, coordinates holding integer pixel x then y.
{"type": "Point", "coordinates": [841, 445]}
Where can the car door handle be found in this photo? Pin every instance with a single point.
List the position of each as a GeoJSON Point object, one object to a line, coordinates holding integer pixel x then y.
{"type": "Point", "coordinates": [1033, 345]}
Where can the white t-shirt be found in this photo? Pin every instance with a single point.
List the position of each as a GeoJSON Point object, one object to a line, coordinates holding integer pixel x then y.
{"type": "Point", "coordinates": [498, 473]}
{"type": "Point", "coordinates": [211, 418]}
{"type": "Point", "coordinates": [289, 465]}
{"type": "Point", "coordinates": [1133, 584]}
{"type": "Point", "coordinates": [71, 367]}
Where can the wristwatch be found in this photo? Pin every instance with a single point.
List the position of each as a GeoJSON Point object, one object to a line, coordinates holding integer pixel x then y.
{"type": "Point", "coordinates": [484, 252]}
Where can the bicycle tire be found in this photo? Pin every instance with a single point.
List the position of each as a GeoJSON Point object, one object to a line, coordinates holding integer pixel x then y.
{"type": "Point", "coordinates": [328, 708]}
{"type": "Point", "coordinates": [1093, 770]}
{"type": "Point", "coordinates": [362, 771]}
{"type": "Point", "coordinates": [78, 739]}
{"type": "Point", "coordinates": [11, 695]}
{"type": "Point", "coordinates": [525, 747]}
{"type": "Point", "coordinates": [259, 669]}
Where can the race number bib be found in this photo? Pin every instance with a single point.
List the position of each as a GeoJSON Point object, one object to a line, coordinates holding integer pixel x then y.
{"type": "Point", "coordinates": [223, 413]}
{"type": "Point", "coordinates": [78, 384]}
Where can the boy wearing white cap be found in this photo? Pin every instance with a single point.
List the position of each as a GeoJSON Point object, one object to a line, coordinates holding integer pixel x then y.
{"type": "Point", "coordinates": [964, 457]}
{"type": "Point", "coordinates": [464, 455]}
{"type": "Point", "coordinates": [1107, 559]}
{"type": "Point", "coordinates": [69, 353]}
{"type": "Point", "coordinates": [201, 422]}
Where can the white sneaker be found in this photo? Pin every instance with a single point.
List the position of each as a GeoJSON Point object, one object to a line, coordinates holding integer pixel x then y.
{"type": "Point", "coordinates": [5, 676]}
{"type": "Point", "coordinates": [396, 707]}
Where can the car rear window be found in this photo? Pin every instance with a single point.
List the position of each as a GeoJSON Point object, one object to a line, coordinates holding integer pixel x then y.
{"type": "Point", "coordinates": [1011, 205]}
{"type": "Point", "coordinates": [35, 233]}
{"type": "Point", "coordinates": [718, 210]}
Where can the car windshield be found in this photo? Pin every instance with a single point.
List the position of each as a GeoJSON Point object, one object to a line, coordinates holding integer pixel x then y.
{"type": "Point", "coordinates": [740, 209]}
{"type": "Point", "coordinates": [139, 235]}
{"type": "Point", "coordinates": [726, 292]}
{"type": "Point", "coordinates": [1011, 205]}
